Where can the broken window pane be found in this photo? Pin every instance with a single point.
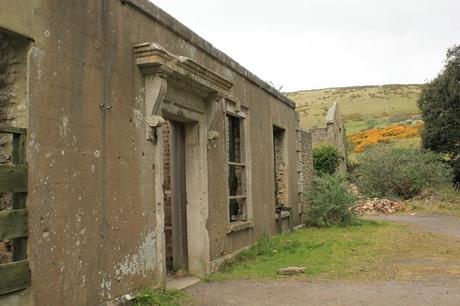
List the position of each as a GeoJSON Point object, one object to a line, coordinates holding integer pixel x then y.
{"type": "Point", "coordinates": [234, 138]}
{"type": "Point", "coordinates": [236, 169]}
{"type": "Point", "coordinates": [237, 209]}
{"type": "Point", "coordinates": [236, 180]}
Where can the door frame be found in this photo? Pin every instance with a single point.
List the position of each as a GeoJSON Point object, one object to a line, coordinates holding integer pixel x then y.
{"type": "Point", "coordinates": [196, 172]}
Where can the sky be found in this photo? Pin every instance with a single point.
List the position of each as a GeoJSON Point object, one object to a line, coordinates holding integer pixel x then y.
{"type": "Point", "coordinates": [312, 44]}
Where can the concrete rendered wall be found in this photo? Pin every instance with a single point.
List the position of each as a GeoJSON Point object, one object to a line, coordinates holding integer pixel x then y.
{"type": "Point", "coordinates": [91, 171]}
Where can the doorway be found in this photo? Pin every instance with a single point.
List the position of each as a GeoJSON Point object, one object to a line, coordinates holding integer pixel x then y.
{"type": "Point", "coordinates": [175, 197]}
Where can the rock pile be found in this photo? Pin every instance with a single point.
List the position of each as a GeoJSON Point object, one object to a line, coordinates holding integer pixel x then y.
{"type": "Point", "coordinates": [376, 206]}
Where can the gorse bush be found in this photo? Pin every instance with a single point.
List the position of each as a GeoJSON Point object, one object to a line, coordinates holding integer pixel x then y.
{"type": "Point", "coordinates": [326, 158]}
{"type": "Point", "coordinates": [331, 202]}
{"type": "Point", "coordinates": [366, 139]}
{"type": "Point", "coordinates": [395, 172]}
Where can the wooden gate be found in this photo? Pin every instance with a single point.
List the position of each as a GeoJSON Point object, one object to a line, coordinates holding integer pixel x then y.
{"type": "Point", "coordinates": [13, 222]}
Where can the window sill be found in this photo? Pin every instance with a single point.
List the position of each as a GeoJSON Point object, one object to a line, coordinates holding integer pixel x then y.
{"type": "Point", "coordinates": [239, 226]}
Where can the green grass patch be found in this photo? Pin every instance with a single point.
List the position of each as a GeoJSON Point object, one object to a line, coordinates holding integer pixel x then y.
{"type": "Point", "coordinates": [163, 297]}
{"type": "Point", "coordinates": [444, 201]}
{"type": "Point", "coordinates": [354, 127]}
{"type": "Point", "coordinates": [363, 252]}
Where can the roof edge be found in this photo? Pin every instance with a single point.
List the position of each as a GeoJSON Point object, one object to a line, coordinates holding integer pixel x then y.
{"type": "Point", "coordinates": [152, 11]}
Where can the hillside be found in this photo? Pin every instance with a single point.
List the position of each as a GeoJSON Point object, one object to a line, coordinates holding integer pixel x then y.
{"type": "Point", "coordinates": [362, 107]}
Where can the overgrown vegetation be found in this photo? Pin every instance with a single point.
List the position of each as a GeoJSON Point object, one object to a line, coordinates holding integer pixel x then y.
{"type": "Point", "coordinates": [326, 158]}
{"type": "Point", "coordinates": [363, 140]}
{"type": "Point", "coordinates": [331, 202]}
{"type": "Point", "coordinates": [439, 102]}
{"type": "Point", "coordinates": [366, 251]}
{"type": "Point", "coordinates": [157, 297]}
{"type": "Point", "coordinates": [396, 172]}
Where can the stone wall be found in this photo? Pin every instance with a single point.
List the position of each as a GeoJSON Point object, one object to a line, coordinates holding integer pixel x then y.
{"type": "Point", "coordinates": [13, 108]}
{"type": "Point", "coordinates": [305, 168]}
{"type": "Point", "coordinates": [281, 171]}
{"type": "Point", "coordinates": [332, 133]}
{"type": "Point", "coordinates": [13, 87]}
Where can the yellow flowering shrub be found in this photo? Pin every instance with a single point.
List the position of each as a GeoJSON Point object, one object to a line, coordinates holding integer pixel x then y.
{"type": "Point", "coordinates": [367, 138]}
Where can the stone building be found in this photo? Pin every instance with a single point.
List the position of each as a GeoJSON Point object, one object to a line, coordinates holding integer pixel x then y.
{"type": "Point", "coordinates": [148, 151]}
{"type": "Point", "coordinates": [333, 132]}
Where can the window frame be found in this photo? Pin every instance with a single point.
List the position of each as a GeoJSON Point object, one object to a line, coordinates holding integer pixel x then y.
{"type": "Point", "coordinates": [245, 221]}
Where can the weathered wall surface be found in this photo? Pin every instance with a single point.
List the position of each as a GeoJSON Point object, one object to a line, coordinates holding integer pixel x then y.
{"type": "Point", "coordinates": [91, 171]}
{"type": "Point", "coordinates": [305, 168]}
{"type": "Point", "coordinates": [13, 86]}
{"type": "Point", "coordinates": [332, 133]}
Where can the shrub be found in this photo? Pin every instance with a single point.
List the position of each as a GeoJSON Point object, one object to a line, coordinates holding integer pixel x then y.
{"type": "Point", "coordinates": [371, 124]}
{"type": "Point", "coordinates": [331, 202]}
{"type": "Point", "coordinates": [395, 172]}
{"type": "Point", "coordinates": [326, 158]}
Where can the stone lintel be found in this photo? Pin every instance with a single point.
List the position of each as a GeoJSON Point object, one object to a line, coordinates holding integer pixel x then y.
{"type": "Point", "coordinates": [154, 59]}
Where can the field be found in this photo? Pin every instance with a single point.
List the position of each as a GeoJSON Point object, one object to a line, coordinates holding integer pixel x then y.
{"type": "Point", "coordinates": [361, 107]}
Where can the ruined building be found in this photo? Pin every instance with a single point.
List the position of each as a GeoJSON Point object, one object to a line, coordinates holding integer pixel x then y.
{"type": "Point", "coordinates": [333, 133]}
{"type": "Point", "coordinates": [130, 148]}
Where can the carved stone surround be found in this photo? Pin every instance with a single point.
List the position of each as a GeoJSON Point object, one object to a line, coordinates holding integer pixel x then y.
{"type": "Point", "coordinates": [158, 65]}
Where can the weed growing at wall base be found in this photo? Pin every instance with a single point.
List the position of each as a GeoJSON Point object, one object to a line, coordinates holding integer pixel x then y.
{"type": "Point", "coordinates": [156, 297]}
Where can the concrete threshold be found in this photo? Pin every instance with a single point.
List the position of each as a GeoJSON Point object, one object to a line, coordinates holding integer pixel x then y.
{"type": "Point", "coordinates": [181, 283]}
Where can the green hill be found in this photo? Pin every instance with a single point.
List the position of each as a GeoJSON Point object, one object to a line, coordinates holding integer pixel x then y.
{"type": "Point", "coordinates": [362, 107]}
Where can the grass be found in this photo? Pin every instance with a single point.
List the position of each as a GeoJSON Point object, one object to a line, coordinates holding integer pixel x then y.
{"type": "Point", "coordinates": [150, 297]}
{"type": "Point", "coordinates": [443, 201]}
{"type": "Point", "coordinates": [358, 104]}
{"type": "Point", "coordinates": [365, 252]}
{"type": "Point", "coordinates": [356, 126]}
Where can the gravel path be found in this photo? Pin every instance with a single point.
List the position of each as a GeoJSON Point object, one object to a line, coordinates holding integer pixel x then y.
{"type": "Point", "coordinates": [337, 293]}
{"type": "Point", "coordinates": [443, 291]}
{"type": "Point", "coordinates": [439, 224]}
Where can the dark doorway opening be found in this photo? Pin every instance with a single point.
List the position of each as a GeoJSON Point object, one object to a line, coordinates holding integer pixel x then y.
{"type": "Point", "coordinates": [175, 197]}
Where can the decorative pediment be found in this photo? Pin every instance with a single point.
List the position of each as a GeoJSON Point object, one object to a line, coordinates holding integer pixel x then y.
{"type": "Point", "coordinates": [154, 59]}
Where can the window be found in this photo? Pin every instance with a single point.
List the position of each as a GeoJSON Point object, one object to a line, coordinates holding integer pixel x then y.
{"type": "Point", "coordinates": [280, 168]}
{"type": "Point", "coordinates": [237, 200]}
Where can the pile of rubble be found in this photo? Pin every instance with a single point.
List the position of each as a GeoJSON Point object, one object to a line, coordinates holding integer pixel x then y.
{"type": "Point", "coordinates": [377, 206]}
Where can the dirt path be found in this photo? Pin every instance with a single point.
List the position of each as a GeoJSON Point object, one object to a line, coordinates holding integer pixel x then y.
{"type": "Point", "coordinates": [343, 293]}
{"type": "Point", "coordinates": [442, 291]}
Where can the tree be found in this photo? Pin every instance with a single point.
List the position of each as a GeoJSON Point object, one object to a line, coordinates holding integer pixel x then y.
{"type": "Point", "coordinates": [440, 106]}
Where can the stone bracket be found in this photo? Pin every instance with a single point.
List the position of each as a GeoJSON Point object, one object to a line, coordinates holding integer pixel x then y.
{"type": "Point", "coordinates": [158, 65]}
